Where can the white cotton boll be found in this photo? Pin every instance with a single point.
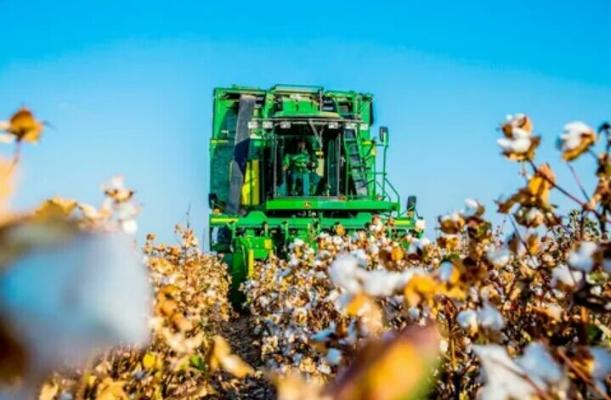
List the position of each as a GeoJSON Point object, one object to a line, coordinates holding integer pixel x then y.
{"type": "Point", "coordinates": [126, 211]}
{"type": "Point", "coordinates": [499, 371]}
{"type": "Point", "coordinates": [489, 317]}
{"type": "Point", "coordinates": [572, 134]}
{"type": "Point", "coordinates": [418, 245]}
{"type": "Point", "coordinates": [521, 145]}
{"type": "Point", "coordinates": [471, 204]}
{"type": "Point", "coordinates": [467, 319]}
{"type": "Point", "coordinates": [361, 257]}
{"type": "Point", "coordinates": [334, 356]}
{"type": "Point", "coordinates": [7, 138]}
{"type": "Point", "coordinates": [554, 311]}
{"type": "Point", "coordinates": [499, 257]}
{"type": "Point", "coordinates": [534, 214]}
{"type": "Point", "coordinates": [343, 273]}
{"type": "Point", "coordinates": [562, 274]}
{"type": "Point", "coordinates": [293, 261]}
{"type": "Point", "coordinates": [325, 334]}
{"type": "Point", "coordinates": [514, 119]}
{"type": "Point", "coordinates": [332, 296]}
{"type": "Point", "coordinates": [263, 301]}
{"type": "Point", "coordinates": [602, 366]}
{"type": "Point", "coordinates": [378, 284]}
{"type": "Point", "coordinates": [90, 293]}
{"type": "Point", "coordinates": [324, 369]}
{"type": "Point", "coordinates": [413, 247]}
{"type": "Point", "coordinates": [471, 207]}
{"type": "Point", "coordinates": [445, 271]}
{"type": "Point", "coordinates": [323, 254]}
{"type": "Point", "coordinates": [116, 182]}
{"type": "Point", "coordinates": [374, 250]}
{"type": "Point", "coordinates": [581, 259]}
{"type": "Point", "coordinates": [420, 224]}
{"type": "Point", "coordinates": [596, 290]}
{"type": "Point", "coordinates": [296, 243]}
{"type": "Point", "coordinates": [514, 145]}
{"type": "Point", "coordinates": [455, 216]}
{"type": "Point", "coordinates": [413, 313]}
{"type": "Point", "coordinates": [129, 226]}
{"type": "Point", "coordinates": [338, 241]}
{"type": "Point", "coordinates": [89, 211]}
{"type": "Point", "coordinates": [422, 243]}
{"type": "Point", "coordinates": [568, 142]}
{"type": "Point", "coordinates": [384, 283]}
{"type": "Point", "coordinates": [352, 336]}
{"type": "Point", "coordinates": [443, 346]}
{"type": "Point", "coordinates": [520, 134]}
{"type": "Point", "coordinates": [539, 365]}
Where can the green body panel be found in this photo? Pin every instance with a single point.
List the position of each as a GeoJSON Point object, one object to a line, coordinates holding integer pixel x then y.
{"type": "Point", "coordinates": [346, 188]}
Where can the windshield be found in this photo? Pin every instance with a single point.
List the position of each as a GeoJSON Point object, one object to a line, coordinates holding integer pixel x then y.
{"type": "Point", "coordinates": [306, 165]}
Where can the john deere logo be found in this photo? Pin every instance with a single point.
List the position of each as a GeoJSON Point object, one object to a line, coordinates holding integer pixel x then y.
{"type": "Point", "coordinates": [307, 204]}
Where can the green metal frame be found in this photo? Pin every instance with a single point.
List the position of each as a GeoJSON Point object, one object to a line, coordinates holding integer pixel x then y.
{"type": "Point", "coordinates": [268, 225]}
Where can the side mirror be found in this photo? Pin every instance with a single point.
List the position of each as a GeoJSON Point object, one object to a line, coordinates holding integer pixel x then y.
{"type": "Point", "coordinates": [383, 135]}
{"type": "Point", "coordinates": [411, 203]}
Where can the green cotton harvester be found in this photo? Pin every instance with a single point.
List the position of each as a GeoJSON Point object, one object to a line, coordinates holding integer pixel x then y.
{"type": "Point", "coordinates": [291, 162]}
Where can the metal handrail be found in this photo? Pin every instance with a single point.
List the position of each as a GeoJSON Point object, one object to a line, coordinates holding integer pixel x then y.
{"type": "Point", "coordinates": [392, 196]}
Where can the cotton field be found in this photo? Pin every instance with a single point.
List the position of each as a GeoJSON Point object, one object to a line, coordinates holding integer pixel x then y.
{"type": "Point", "coordinates": [468, 310]}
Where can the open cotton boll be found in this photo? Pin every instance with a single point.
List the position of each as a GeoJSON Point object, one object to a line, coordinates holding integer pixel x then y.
{"type": "Point", "coordinates": [565, 276]}
{"type": "Point", "coordinates": [501, 374]}
{"type": "Point", "coordinates": [334, 356]}
{"type": "Point", "coordinates": [445, 271]}
{"type": "Point", "coordinates": [601, 366]}
{"type": "Point", "coordinates": [499, 257]}
{"type": "Point", "coordinates": [573, 133]}
{"type": "Point", "coordinates": [296, 243]}
{"type": "Point", "coordinates": [361, 257]}
{"type": "Point", "coordinates": [467, 319]}
{"type": "Point", "coordinates": [384, 283]}
{"type": "Point", "coordinates": [420, 224]}
{"type": "Point", "coordinates": [343, 273]}
{"type": "Point", "coordinates": [539, 365]}
{"type": "Point", "coordinates": [472, 208]}
{"type": "Point", "coordinates": [489, 317]}
{"type": "Point", "coordinates": [129, 226]}
{"type": "Point", "coordinates": [418, 245]}
{"type": "Point", "coordinates": [6, 138]}
{"type": "Point", "coordinates": [89, 293]}
{"type": "Point", "coordinates": [520, 145]}
{"type": "Point", "coordinates": [581, 258]}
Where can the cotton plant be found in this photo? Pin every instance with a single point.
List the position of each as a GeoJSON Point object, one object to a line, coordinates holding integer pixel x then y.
{"type": "Point", "coordinates": [518, 142]}
{"type": "Point", "coordinates": [474, 312]}
{"type": "Point", "coordinates": [534, 374]}
{"type": "Point", "coordinates": [186, 355]}
{"type": "Point", "coordinates": [62, 303]}
{"type": "Point", "coordinates": [22, 127]}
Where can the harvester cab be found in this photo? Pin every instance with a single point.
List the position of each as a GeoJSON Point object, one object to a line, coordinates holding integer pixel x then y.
{"type": "Point", "coordinates": [291, 162]}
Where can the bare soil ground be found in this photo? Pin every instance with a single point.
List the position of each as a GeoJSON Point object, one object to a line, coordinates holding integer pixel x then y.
{"type": "Point", "coordinates": [244, 343]}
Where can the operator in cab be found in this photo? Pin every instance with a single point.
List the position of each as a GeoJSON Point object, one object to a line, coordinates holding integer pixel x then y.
{"type": "Point", "coordinates": [299, 166]}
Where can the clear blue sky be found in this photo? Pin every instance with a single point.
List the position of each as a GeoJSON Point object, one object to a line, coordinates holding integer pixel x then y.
{"type": "Point", "coordinates": [127, 87]}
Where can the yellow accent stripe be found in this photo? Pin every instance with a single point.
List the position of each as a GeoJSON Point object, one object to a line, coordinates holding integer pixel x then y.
{"type": "Point", "coordinates": [250, 188]}
{"type": "Point", "coordinates": [219, 141]}
{"type": "Point", "coordinates": [251, 263]}
{"type": "Point", "coordinates": [222, 220]}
